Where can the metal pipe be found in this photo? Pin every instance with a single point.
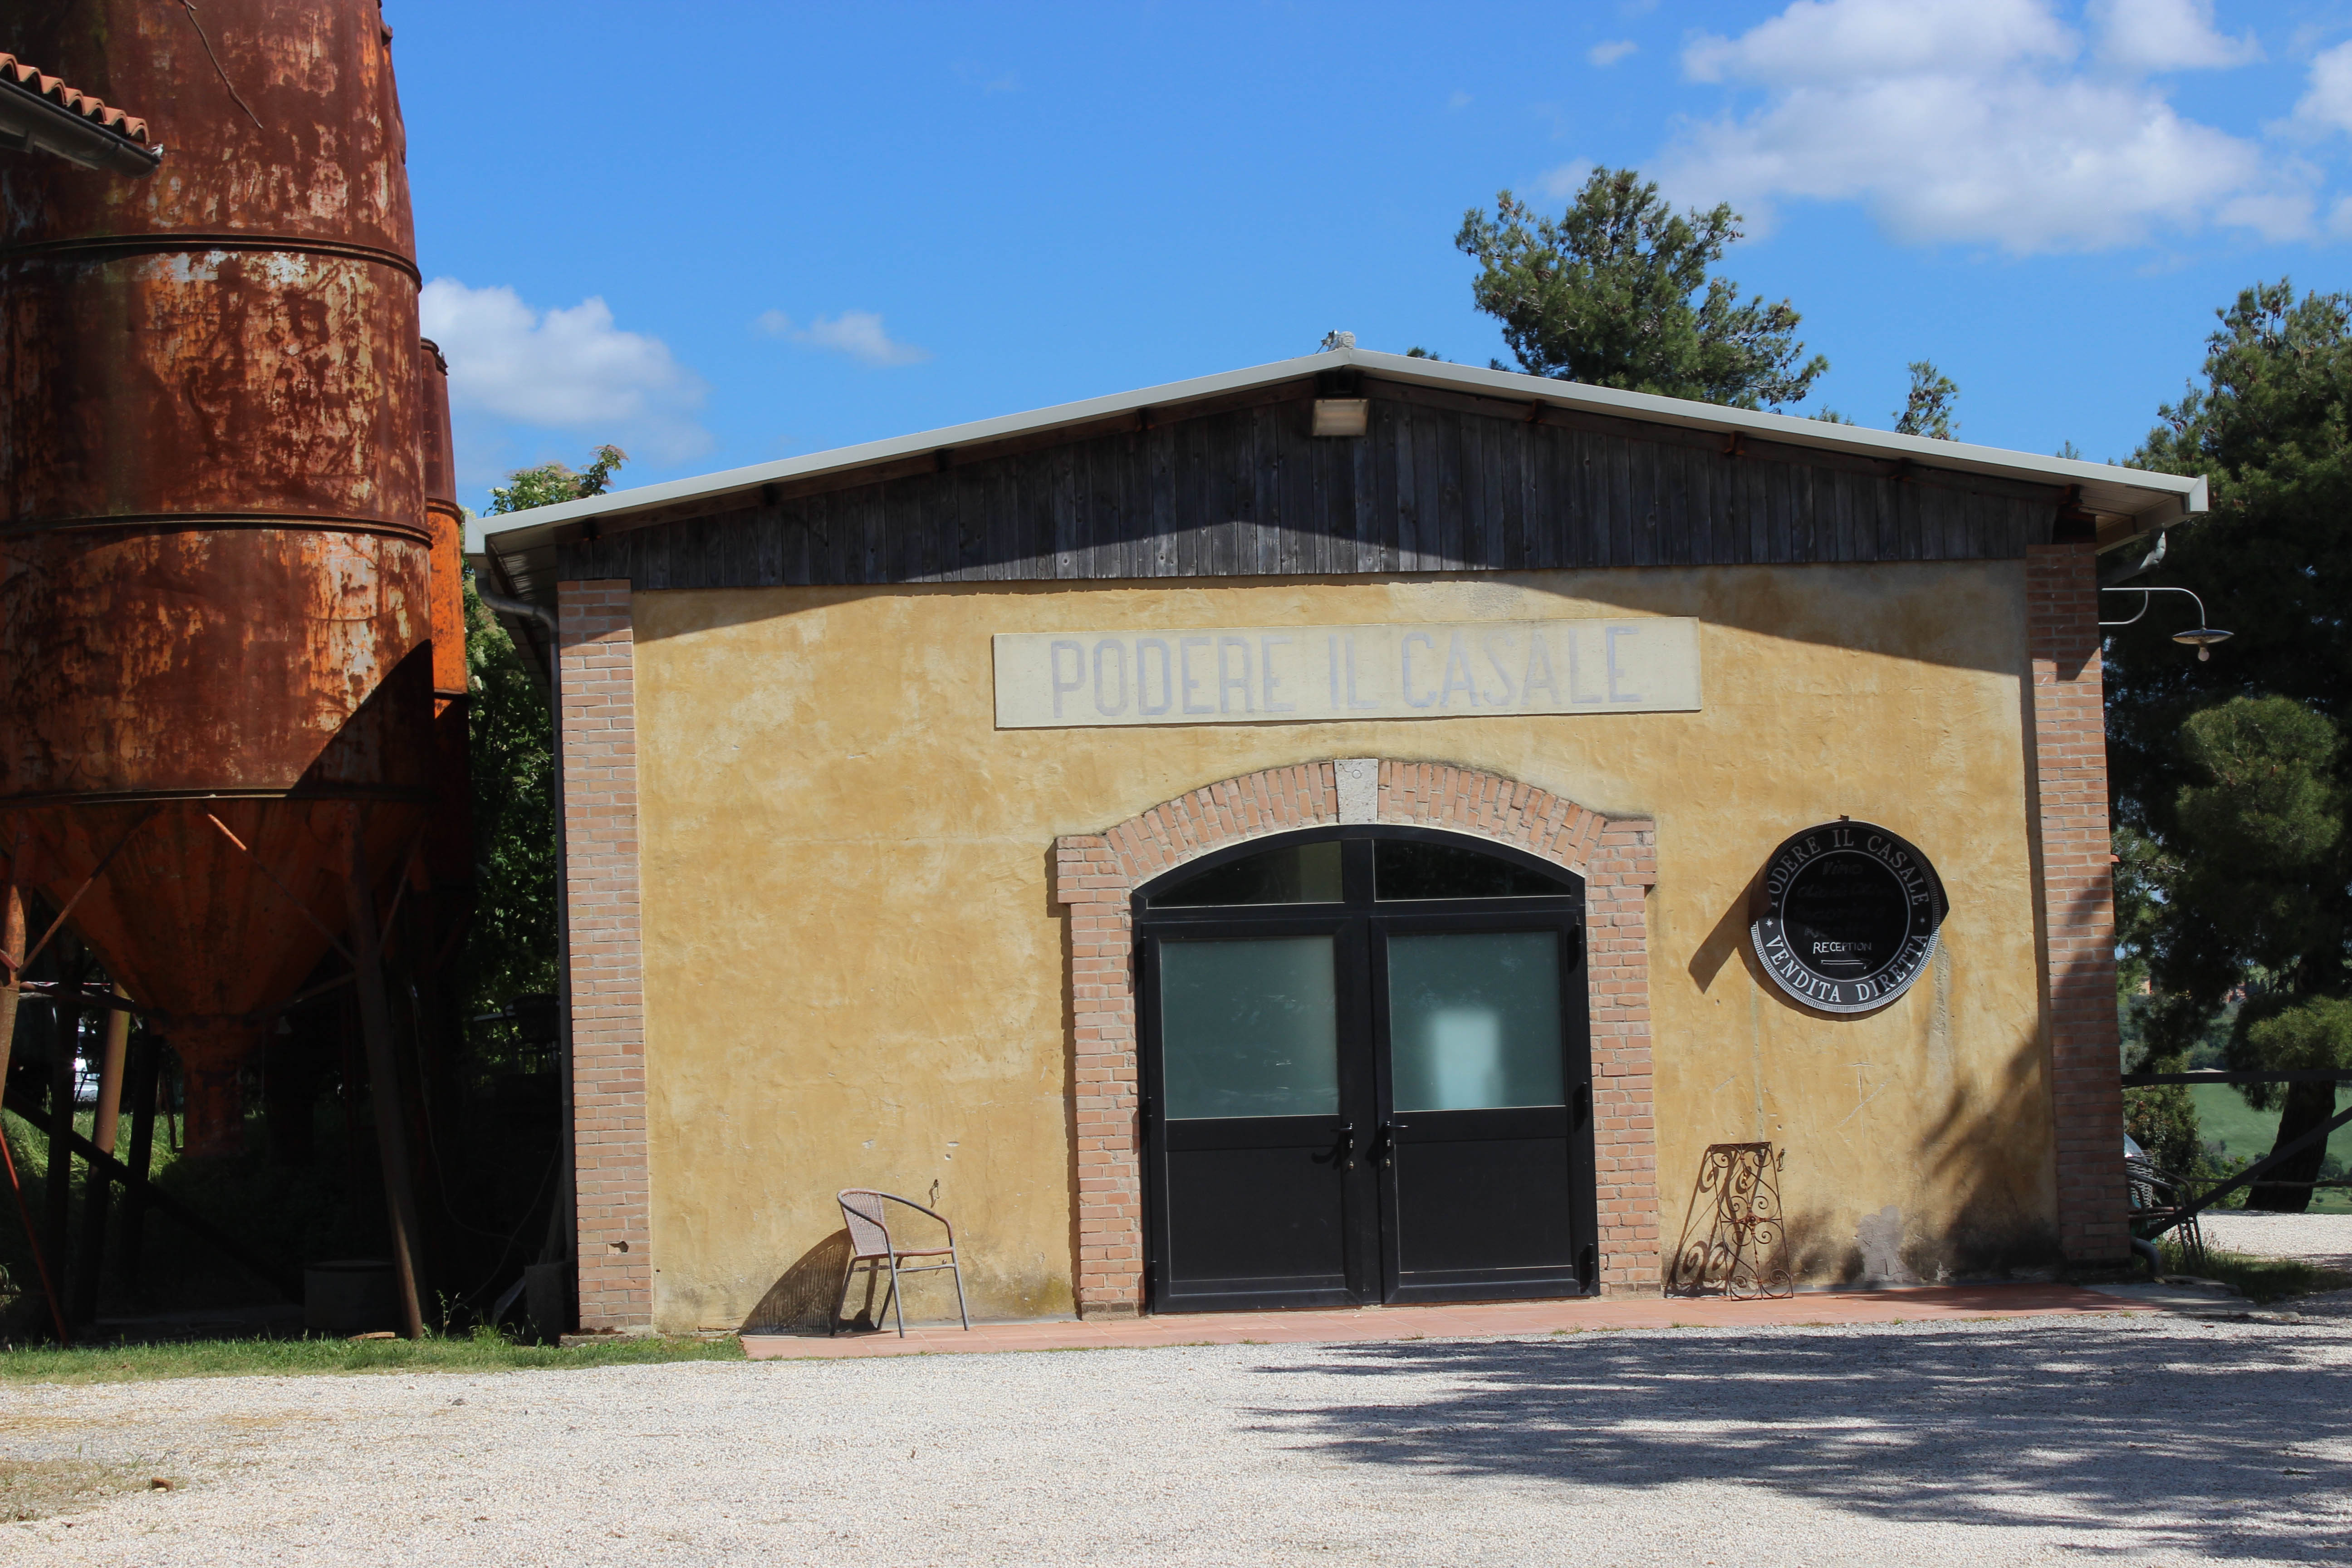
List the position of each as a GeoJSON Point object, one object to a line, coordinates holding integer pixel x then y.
{"type": "Point", "coordinates": [563, 1218]}
{"type": "Point", "coordinates": [2144, 601]}
{"type": "Point", "coordinates": [522, 609]}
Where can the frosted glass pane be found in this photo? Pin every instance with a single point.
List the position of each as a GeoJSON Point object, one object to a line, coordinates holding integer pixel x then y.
{"type": "Point", "coordinates": [1474, 1021]}
{"type": "Point", "coordinates": [1249, 1028]}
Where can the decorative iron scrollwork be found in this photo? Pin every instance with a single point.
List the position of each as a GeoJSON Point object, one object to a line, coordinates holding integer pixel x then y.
{"type": "Point", "coordinates": [1733, 1242]}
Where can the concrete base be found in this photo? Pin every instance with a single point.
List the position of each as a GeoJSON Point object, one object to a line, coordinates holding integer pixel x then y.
{"type": "Point", "coordinates": [1495, 1318]}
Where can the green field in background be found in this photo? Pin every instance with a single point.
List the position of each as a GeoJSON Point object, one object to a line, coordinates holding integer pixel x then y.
{"type": "Point", "coordinates": [2243, 1133]}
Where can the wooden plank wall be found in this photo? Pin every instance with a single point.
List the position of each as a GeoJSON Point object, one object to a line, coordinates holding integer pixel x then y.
{"type": "Point", "coordinates": [1441, 483]}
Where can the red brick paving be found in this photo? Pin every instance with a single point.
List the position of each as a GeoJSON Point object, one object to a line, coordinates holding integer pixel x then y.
{"type": "Point", "coordinates": [1472, 1320]}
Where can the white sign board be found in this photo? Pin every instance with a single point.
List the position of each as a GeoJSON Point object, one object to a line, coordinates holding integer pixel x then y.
{"type": "Point", "coordinates": [1298, 675]}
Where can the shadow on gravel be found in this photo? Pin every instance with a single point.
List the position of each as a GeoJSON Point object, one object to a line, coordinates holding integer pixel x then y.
{"type": "Point", "coordinates": [2210, 1443]}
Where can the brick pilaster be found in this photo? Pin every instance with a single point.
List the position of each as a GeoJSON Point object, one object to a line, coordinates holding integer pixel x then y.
{"type": "Point", "coordinates": [2077, 898]}
{"type": "Point", "coordinates": [1096, 876]}
{"type": "Point", "coordinates": [608, 1021]}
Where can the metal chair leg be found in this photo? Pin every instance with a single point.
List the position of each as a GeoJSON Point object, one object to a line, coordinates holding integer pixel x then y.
{"type": "Point", "coordinates": [841, 1297]}
{"type": "Point", "coordinates": [898, 1308]}
{"type": "Point", "coordinates": [955, 1266]}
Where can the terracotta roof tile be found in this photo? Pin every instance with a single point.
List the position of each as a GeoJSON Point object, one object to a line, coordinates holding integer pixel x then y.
{"type": "Point", "coordinates": [74, 102]}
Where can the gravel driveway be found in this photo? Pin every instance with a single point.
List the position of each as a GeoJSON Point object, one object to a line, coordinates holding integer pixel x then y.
{"type": "Point", "coordinates": [2322, 1238]}
{"type": "Point", "coordinates": [2142, 1439]}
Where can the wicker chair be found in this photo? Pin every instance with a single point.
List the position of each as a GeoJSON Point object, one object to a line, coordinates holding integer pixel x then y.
{"type": "Point", "coordinates": [862, 1208]}
{"type": "Point", "coordinates": [2160, 1201]}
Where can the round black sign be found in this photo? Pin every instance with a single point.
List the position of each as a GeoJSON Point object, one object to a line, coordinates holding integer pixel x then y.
{"type": "Point", "coordinates": [1850, 913]}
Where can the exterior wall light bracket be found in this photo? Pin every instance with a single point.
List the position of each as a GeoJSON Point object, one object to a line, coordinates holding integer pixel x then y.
{"type": "Point", "coordinates": [2200, 637]}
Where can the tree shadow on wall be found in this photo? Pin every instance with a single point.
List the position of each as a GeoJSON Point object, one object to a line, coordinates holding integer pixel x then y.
{"type": "Point", "coordinates": [806, 1298]}
{"type": "Point", "coordinates": [1969, 1152]}
{"type": "Point", "coordinates": [2216, 1446]}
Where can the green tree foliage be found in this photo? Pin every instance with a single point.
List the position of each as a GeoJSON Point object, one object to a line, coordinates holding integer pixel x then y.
{"type": "Point", "coordinates": [1928, 411]}
{"type": "Point", "coordinates": [551, 484]}
{"type": "Point", "coordinates": [510, 949]}
{"type": "Point", "coordinates": [1616, 292]}
{"type": "Point", "coordinates": [2230, 777]}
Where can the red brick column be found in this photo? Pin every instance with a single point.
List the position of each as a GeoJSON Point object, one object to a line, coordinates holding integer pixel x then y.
{"type": "Point", "coordinates": [2077, 893]}
{"type": "Point", "coordinates": [607, 979]}
{"type": "Point", "coordinates": [1096, 877]}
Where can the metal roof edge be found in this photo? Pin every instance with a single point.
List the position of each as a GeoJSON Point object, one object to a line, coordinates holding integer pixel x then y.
{"type": "Point", "coordinates": [2170, 497]}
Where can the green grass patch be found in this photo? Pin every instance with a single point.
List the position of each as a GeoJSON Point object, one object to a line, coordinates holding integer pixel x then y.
{"type": "Point", "coordinates": [2223, 1116]}
{"type": "Point", "coordinates": [43, 1488]}
{"type": "Point", "coordinates": [2260, 1279]}
{"type": "Point", "coordinates": [292, 1358]}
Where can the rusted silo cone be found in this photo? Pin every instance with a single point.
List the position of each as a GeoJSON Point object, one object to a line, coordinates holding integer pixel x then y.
{"type": "Point", "coordinates": [215, 588]}
{"type": "Point", "coordinates": [210, 1054]}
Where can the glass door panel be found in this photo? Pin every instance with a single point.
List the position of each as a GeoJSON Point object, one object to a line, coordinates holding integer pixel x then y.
{"type": "Point", "coordinates": [1249, 1028]}
{"type": "Point", "coordinates": [1479, 1145]}
{"type": "Point", "coordinates": [1474, 1021]}
{"type": "Point", "coordinates": [1365, 1073]}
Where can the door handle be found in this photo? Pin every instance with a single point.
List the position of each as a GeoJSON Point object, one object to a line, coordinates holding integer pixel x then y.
{"type": "Point", "coordinates": [1343, 1153]}
{"type": "Point", "coordinates": [1384, 1141]}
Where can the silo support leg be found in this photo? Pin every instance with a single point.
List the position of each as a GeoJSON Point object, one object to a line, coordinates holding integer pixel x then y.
{"type": "Point", "coordinates": [12, 944]}
{"type": "Point", "coordinates": [98, 1187]}
{"type": "Point", "coordinates": [384, 1085]}
{"type": "Point", "coordinates": [57, 1187]}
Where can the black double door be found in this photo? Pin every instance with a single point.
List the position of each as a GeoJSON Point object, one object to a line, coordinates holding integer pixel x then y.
{"type": "Point", "coordinates": [1367, 1076]}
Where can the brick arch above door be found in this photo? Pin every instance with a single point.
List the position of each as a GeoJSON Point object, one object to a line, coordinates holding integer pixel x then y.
{"type": "Point", "coordinates": [1095, 880]}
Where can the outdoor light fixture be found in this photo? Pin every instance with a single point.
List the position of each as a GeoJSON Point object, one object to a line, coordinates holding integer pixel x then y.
{"type": "Point", "coordinates": [2200, 637]}
{"type": "Point", "coordinates": [1342, 415]}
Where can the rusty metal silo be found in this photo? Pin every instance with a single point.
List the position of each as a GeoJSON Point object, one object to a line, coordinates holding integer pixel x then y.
{"type": "Point", "coordinates": [450, 842]}
{"type": "Point", "coordinates": [217, 692]}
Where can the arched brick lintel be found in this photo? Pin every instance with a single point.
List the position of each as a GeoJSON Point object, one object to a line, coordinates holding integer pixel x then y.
{"type": "Point", "coordinates": [1096, 876]}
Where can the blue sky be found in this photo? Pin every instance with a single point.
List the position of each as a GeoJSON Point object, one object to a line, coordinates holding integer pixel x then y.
{"type": "Point", "coordinates": [720, 233]}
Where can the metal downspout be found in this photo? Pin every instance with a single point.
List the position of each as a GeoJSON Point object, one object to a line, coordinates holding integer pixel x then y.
{"type": "Point", "coordinates": [563, 1218]}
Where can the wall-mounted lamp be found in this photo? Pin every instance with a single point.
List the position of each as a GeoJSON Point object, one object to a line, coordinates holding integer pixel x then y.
{"type": "Point", "coordinates": [2200, 637]}
{"type": "Point", "coordinates": [1342, 415]}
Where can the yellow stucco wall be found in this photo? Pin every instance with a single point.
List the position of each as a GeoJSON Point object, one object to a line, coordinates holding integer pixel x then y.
{"type": "Point", "coordinates": [854, 975]}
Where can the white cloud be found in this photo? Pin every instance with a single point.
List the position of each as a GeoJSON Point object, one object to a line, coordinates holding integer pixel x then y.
{"type": "Point", "coordinates": [2166, 36]}
{"type": "Point", "coordinates": [562, 370]}
{"type": "Point", "coordinates": [1566, 180]}
{"type": "Point", "coordinates": [2328, 104]}
{"type": "Point", "coordinates": [1610, 53]}
{"type": "Point", "coordinates": [1967, 121]}
{"type": "Point", "coordinates": [1460, 100]}
{"type": "Point", "coordinates": [857, 333]}
{"type": "Point", "coordinates": [1838, 41]}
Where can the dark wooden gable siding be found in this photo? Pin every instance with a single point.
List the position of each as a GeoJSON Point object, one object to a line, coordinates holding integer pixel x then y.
{"type": "Point", "coordinates": [1441, 483]}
